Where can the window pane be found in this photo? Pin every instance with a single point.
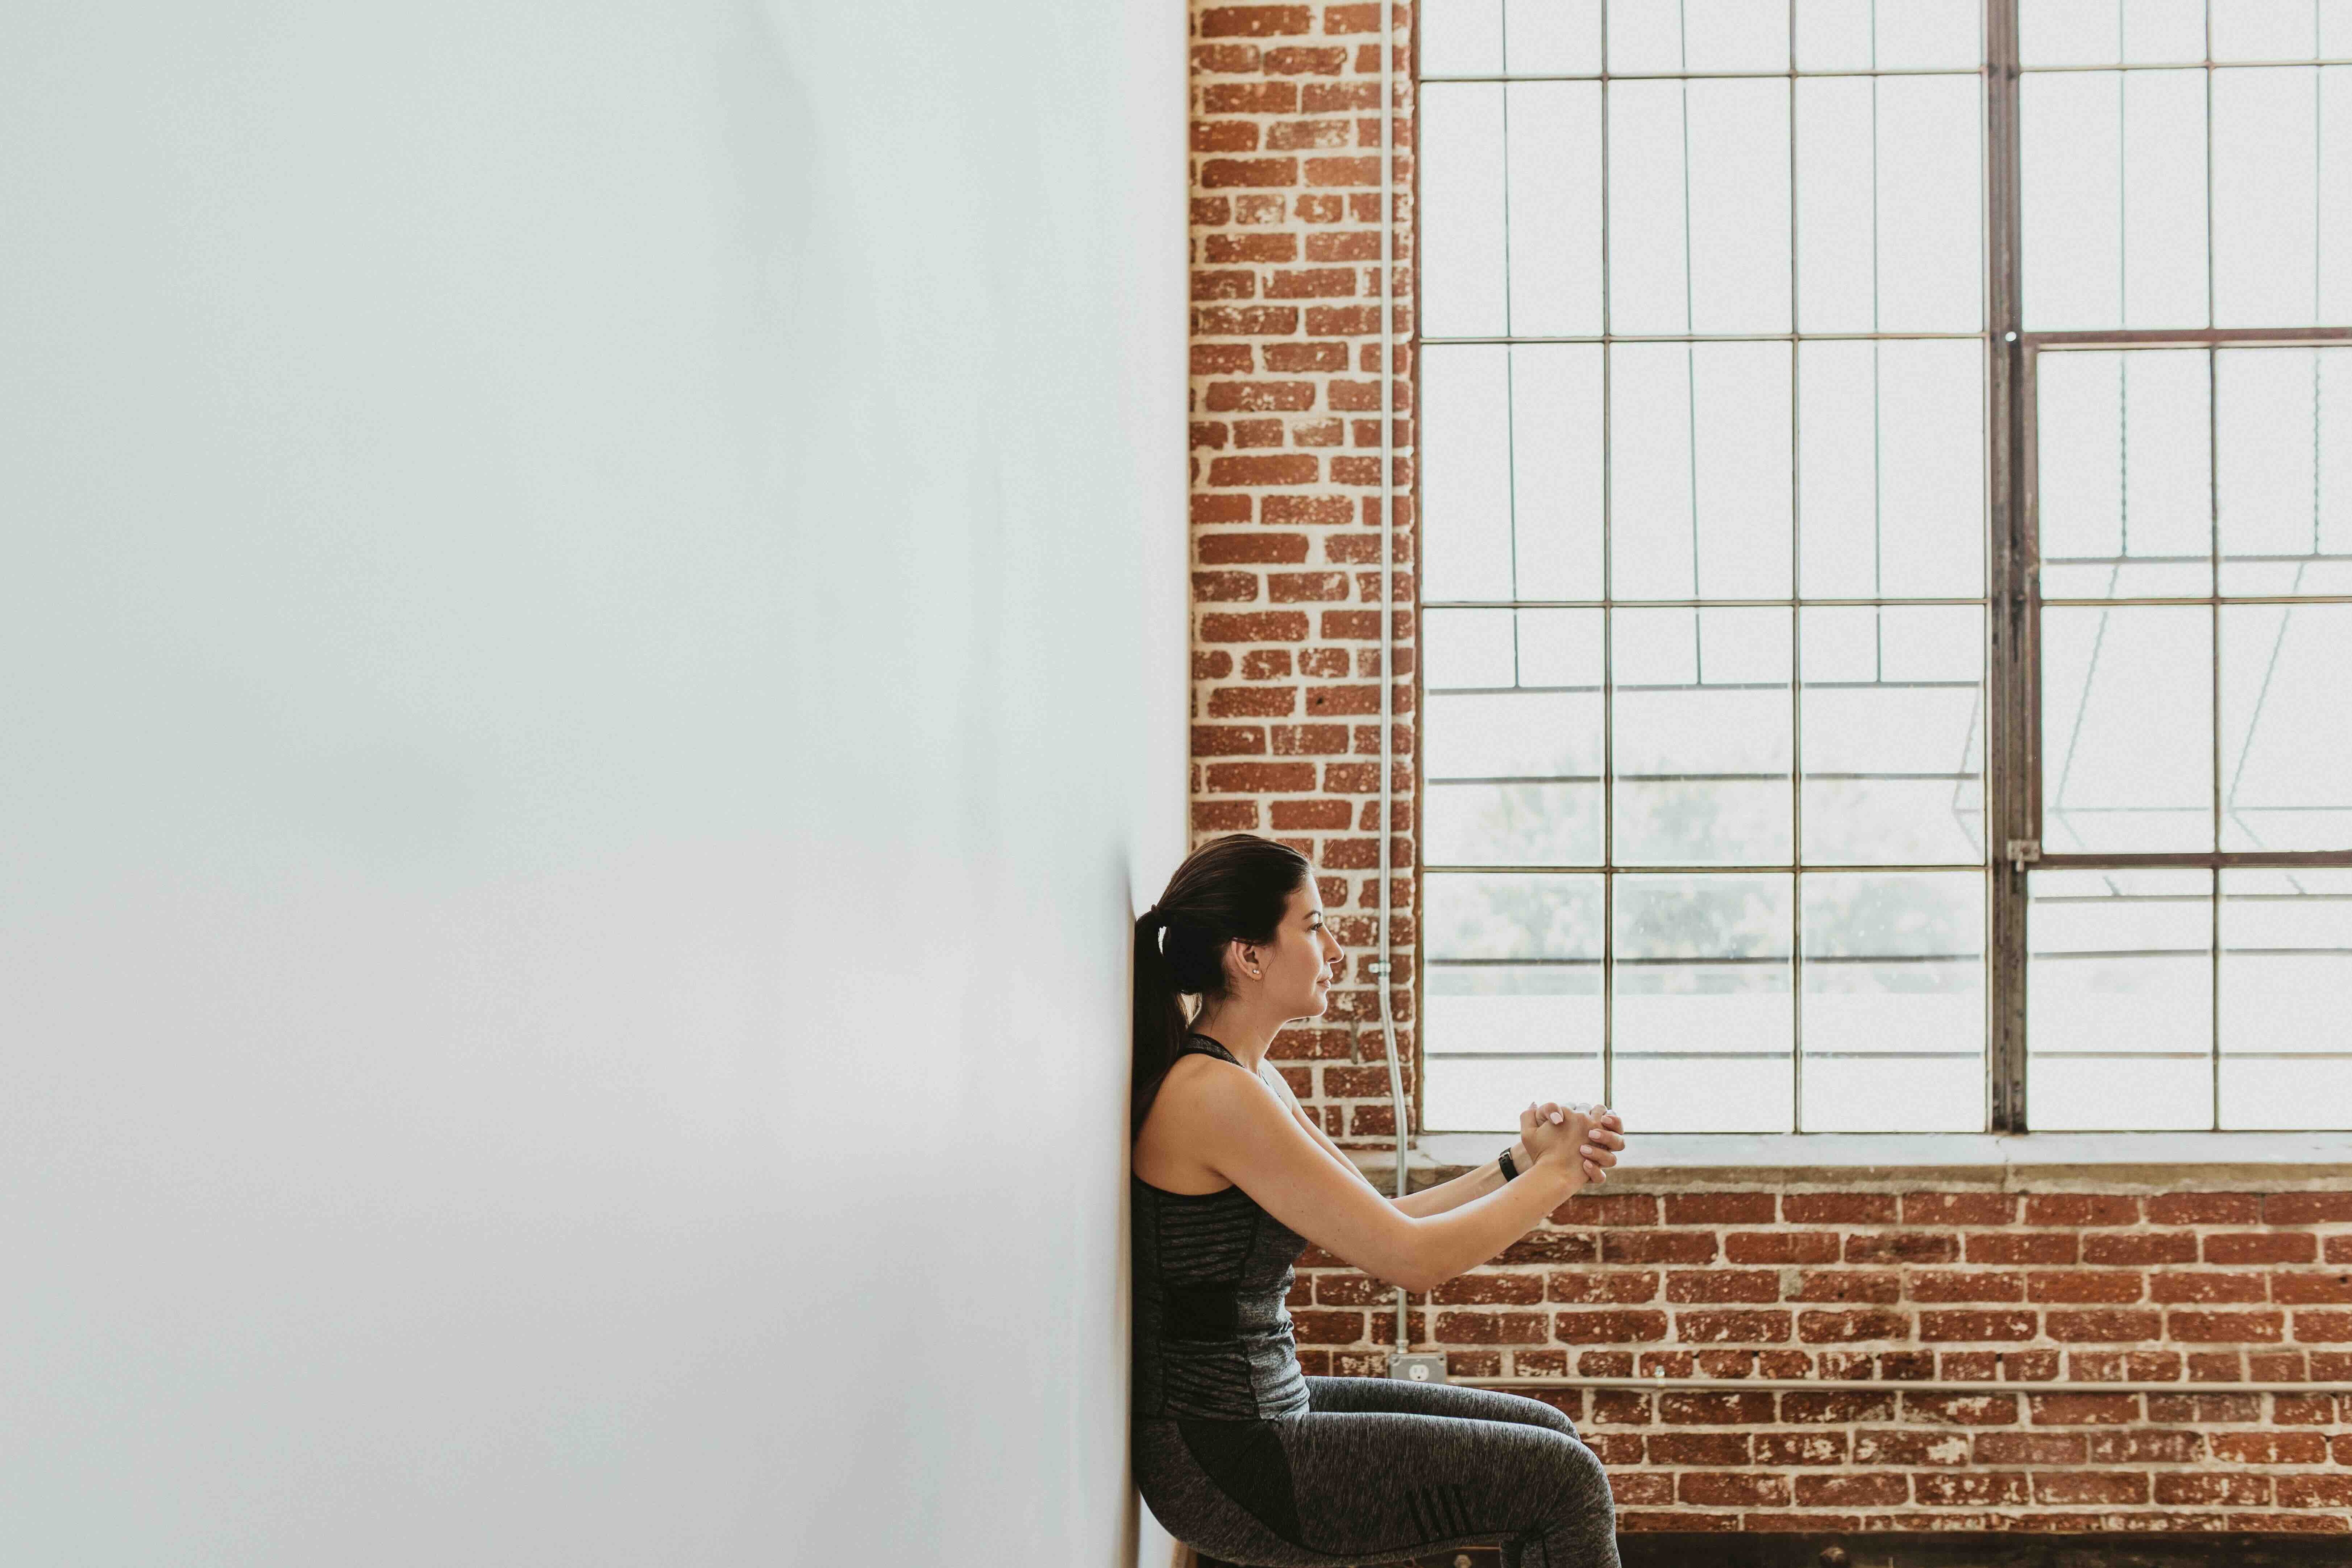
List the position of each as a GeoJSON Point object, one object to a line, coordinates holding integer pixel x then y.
{"type": "Point", "coordinates": [2284, 419]}
{"type": "Point", "coordinates": [1887, 189]}
{"type": "Point", "coordinates": [1462, 205]}
{"type": "Point", "coordinates": [2286, 968]}
{"type": "Point", "coordinates": [1699, 452]}
{"type": "Point", "coordinates": [1553, 219]}
{"type": "Point", "coordinates": [2126, 729]}
{"type": "Point", "coordinates": [1554, 38]}
{"type": "Point", "coordinates": [1702, 1015]}
{"type": "Point", "coordinates": [1701, 716]}
{"type": "Point", "coordinates": [1661, 37]}
{"type": "Point", "coordinates": [2115, 199]}
{"type": "Point", "coordinates": [2119, 995]}
{"type": "Point", "coordinates": [1512, 967]}
{"type": "Point", "coordinates": [1893, 735]}
{"type": "Point", "coordinates": [2271, 29]}
{"type": "Point", "coordinates": [1466, 482]}
{"type": "Point", "coordinates": [2104, 32]}
{"type": "Point", "coordinates": [1893, 1023]}
{"type": "Point", "coordinates": [1555, 458]}
{"type": "Point", "coordinates": [2123, 451]}
{"type": "Point", "coordinates": [2286, 727]}
{"type": "Point", "coordinates": [1459, 37]}
{"type": "Point", "coordinates": [1893, 480]}
{"type": "Point", "coordinates": [1918, 35]}
{"type": "Point", "coordinates": [1698, 219]}
{"type": "Point", "coordinates": [2266, 196]}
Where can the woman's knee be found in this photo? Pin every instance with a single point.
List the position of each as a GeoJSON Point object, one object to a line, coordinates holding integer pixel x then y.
{"type": "Point", "coordinates": [1548, 1415]}
{"type": "Point", "coordinates": [1580, 1479]}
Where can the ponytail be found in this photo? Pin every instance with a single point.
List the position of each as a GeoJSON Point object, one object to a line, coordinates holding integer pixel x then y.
{"type": "Point", "coordinates": [1233, 888]}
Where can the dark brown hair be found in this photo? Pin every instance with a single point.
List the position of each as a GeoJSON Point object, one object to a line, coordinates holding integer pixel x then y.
{"type": "Point", "coordinates": [1234, 889]}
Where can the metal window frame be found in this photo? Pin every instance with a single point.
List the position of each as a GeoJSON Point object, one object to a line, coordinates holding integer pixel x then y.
{"type": "Point", "coordinates": [2013, 804]}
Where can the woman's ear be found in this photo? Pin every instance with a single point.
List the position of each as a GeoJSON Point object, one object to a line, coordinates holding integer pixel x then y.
{"type": "Point", "coordinates": [1248, 961]}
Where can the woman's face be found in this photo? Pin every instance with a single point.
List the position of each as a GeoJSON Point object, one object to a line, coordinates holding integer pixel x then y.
{"type": "Point", "coordinates": [1297, 969]}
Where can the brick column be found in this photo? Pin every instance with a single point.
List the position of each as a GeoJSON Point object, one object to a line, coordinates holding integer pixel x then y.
{"type": "Point", "coordinates": [1286, 492]}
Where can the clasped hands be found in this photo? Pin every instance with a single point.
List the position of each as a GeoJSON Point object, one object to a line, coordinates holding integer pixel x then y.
{"type": "Point", "coordinates": [1558, 1134]}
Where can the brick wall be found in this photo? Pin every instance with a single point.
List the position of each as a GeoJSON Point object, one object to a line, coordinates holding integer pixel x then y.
{"type": "Point", "coordinates": [1786, 1286]}
{"type": "Point", "coordinates": [1286, 491]}
{"type": "Point", "coordinates": [1795, 1284]}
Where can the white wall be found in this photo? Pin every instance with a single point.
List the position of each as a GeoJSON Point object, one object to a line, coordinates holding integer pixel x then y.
{"type": "Point", "coordinates": [591, 668]}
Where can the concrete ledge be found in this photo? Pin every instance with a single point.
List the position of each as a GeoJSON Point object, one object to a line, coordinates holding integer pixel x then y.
{"type": "Point", "coordinates": [2155, 1162]}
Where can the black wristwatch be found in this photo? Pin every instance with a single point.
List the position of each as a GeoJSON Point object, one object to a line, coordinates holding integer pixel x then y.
{"type": "Point", "coordinates": [1511, 1171]}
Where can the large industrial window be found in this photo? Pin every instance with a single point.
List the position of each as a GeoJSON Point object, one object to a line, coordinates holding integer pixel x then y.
{"type": "Point", "coordinates": [1886, 580]}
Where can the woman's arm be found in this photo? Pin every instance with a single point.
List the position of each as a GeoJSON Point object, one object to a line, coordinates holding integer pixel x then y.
{"type": "Point", "coordinates": [1452, 1193]}
{"type": "Point", "coordinates": [1234, 1121]}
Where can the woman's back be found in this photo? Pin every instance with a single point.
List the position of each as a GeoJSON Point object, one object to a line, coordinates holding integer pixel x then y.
{"type": "Point", "coordinates": [1213, 1338]}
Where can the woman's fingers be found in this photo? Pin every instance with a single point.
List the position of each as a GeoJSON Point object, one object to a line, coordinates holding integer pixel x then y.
{"type": "Point", "coordinates": [1597, 1156]}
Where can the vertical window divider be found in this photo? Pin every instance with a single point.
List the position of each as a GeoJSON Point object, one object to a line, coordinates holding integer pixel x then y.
{"type": "Point", "coordinates": [1607, 632]}
{"type": "Point", "coordinates": [1796, 626]}
{"type": "Point", "coordinates": [2010, 740]}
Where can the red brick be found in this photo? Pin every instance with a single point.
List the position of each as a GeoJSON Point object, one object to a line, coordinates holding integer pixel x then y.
{"type": "Point", "coordinates": [2205, 1209]}
{"type": "Point", "coordinates": [2208, 1328]}
{"type": "Point", "coordinates": [1306, 62]}
{"type": "Point", "coordinates": [1290, 469]}
{"type": "Point", "coordinates": [1938, 1326]}
{"type": "Point", "coordinates": [2080, 1487]}
{"type": "Point", "coordinates": [1608, 1328]}
{"type": "Point", "coordinates": [1838, 1208]}
{"type": "Point", "coordinates": [1491, 1328]}
{"type": "Point", "coordinates": [1220, 549]}
{"type": "Point", "coordinates": [1220, 174]}
{"type": "Point", "coordinates": [2208, 1487]}
{"type": "Point", "coordinates": [2323, 1327]}
{"type": "Point", "coordinates": [2262, 1246]}
{"type": "Point", "coordinates": [1516, 1289]}
{"type": "Point", "coordinates": [1657, 1246]}
{"type": "Point", "coordinates": [1719, 1209]}
{"type": "Point", "coordinates": [1228, 740]}
{"type": "Point", "coordinates": [2110, 1327]}
{"type": "Point", "coordinates": [2302, 1409]}
{"type": "Point", "coordinates": [2144, 1447]}
{"type": "Point", "coordinates": [1698, 1448]}
{"type": "Point", "coordinates": [2029, 1447]}
{"type": "Point", "coordinates": [2081, 1208]}
{"type": "Point", "coordinates": [2082, 1287]}
{"type": "Point", "coordinates": [1321, 1328]}
{"type": "Point", "coordinates": [2026, 1246]}
{"type": "Point", "coordinates": [1849, 1285]}
{"type": "Point", "coordinates": [1550, 1247]}
{"type": "Point", "coordinates": [1975, 1487]}
{"type": "Point", "coordinates": [1259, 396]}
{"type": "Point", "coordinates": [1959, 1208]}
{"type": "Point", "coordinates": [1827, 1326]}
{"type": "Point", "coordinates": [2307, 1208]}
{"type": "Point", "coordinates": [1260, 778]}
{"type": "Point", "coordinates": [1721, 1490]}
{"type": "Point", "coordinates": [1261, 626]}
{"type": "Point", "coordinates": [1639, 1489]}
{"type": "Point", "coordinates": [2207, 1286]}
{"type": "Point", "coordinates": [1724, 1326]}
{"type": "Point", "coordinates": [1674, 1521]}
{"type": "Point", "coordinates": [2268, 1447]}
{"type": "Point", "coordinates": [2152, 1247]}
{"type": "Point", "coordinates": [1904, 1445]}
{"type": "Point", "coordinates": [1961, 1409]}
{"type": "Point", "coordinates": [1901, 1247]}
{"type": "Point", "coordinates": [1715, 1407]}
{"type": "Point", "coordinates": [1792, 1449]}
{"type": "Point", "coordinates": [1722, 1285]}
{"type": "Point", "coordinates": [1835, 1407]}
{"type": "Point", "coordinates": [1250, 98]}
{"type": "Point", "coordinates": [1780, 1247]}
{"type": "Point", "coordinates": [1599, 1287]}
{"type": "Point", "coordinates": [1953, 1284]}
{"type": "Point", "coordinates": [1256, 21]}
{"type": "Point", "coordinates": [2315, 1491]}
{"type": "Point", "coordinates": [1836, 1491]}
{"type": "Point", "coordinates": [2301, 1289]}
{"type": "Point", "coordinates": [2082, 1409]}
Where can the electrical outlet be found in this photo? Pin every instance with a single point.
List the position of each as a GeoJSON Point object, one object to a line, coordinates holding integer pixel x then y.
{"type": "Point", "coordinates": [1418, 1368]}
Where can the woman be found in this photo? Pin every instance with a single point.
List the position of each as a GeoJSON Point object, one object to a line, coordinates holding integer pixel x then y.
{"type": "Point", "coordinates": [1237, 1452]}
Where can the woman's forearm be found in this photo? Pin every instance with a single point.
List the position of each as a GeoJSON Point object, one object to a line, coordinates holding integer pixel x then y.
{"type": "Point", "coordinates": [1462, 1189]}
{"type": "Point", "coordinates": [1476, 1229]}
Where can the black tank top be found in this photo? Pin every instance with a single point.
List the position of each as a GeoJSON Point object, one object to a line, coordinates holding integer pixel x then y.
{"type": "Point", "coordinates": [1211, 1337]}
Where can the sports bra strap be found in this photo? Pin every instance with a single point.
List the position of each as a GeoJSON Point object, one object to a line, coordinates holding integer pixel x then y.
{"type": "Point", "coordinates": [1202, 1045]}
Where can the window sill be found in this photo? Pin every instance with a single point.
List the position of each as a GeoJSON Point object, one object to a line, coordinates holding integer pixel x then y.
{"type": "Point", "coordinates": [2198, 1160]}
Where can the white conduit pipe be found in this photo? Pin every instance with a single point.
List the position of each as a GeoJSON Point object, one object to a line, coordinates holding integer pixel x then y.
{"type": "Point", "coordinates": [1384, 967]}
{"type": "Point", "coordinates": [1898, 1385]}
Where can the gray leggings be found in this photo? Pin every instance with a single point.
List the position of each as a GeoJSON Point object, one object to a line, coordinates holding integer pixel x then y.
{"type": "Point", "coordinates": [1379, 1470]}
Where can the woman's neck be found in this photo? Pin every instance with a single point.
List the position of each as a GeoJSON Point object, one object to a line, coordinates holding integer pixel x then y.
{"type": "Point", "coordinates": [1248, 1033]}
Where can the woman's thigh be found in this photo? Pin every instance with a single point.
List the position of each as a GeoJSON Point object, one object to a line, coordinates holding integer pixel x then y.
{"type": "Point", "coordinates": [1405, 1398]}
{"type": "Point", "coordinates": [1379, 1485]}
